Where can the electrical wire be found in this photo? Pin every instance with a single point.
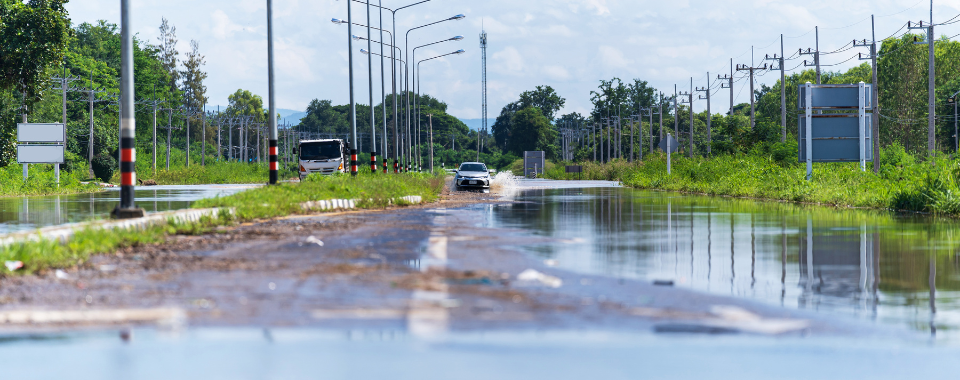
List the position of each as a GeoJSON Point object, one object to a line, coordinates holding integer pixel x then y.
{"type": "Point", "coordinates": [842, 62]}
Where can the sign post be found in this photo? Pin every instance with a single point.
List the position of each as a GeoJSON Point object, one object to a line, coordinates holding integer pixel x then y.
{"type": "Point", "coordinates": [41, 144]}
{"type": "Point", "coordinates": [835, 136]}
{"type": "Point", "coordinates": [669, 145]}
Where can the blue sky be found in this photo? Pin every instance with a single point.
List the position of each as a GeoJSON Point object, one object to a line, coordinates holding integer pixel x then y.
{"type": "Point", "coordinates": [568, 44]}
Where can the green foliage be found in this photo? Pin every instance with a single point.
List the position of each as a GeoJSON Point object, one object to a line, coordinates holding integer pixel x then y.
{"type": "Point", "coordinates": [545, 99]}
{"type": "Point", "coordinates": [371, 190]}
{"type": "Point", "coordinates": [771, 171]}
{"type": "Point", "coordinates": [42, 181]}
{"type": "Point", "coordinates": [35, 35]}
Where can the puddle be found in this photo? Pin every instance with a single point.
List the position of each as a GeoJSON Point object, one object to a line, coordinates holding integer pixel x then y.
{"type": "Point", "coordinates": [874, 265]}
{"type": "Point", "coordinates": [28, 213]}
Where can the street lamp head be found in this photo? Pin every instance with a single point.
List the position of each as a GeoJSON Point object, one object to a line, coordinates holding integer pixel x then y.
{"type": "Point", "coordinates": [458, 17]}
{"type": "Point", "coordinates": [461, 51]}
{"type": "Point", "coordinates": [337, 21]}
{"type": "Point", "coordinates": [364, 51]}
{"type": "Point", "coordinates": [457, 38]}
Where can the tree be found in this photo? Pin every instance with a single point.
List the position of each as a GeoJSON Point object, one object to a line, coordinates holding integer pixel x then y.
{"type": "Point", "coordinates": [543, 98]}
{"type": "Point", "coordinates": [245, 103]}
{"type": "Point", "coordinates": [532, 131]}
{"type": "Point", "coordinates": [35, 35]}
{"type": "Point", "coordinates": [193, 77]}
{"type": "Point", "coordinates": [503, 127]}
{"type": "Point", "coordinates": [168, 50]}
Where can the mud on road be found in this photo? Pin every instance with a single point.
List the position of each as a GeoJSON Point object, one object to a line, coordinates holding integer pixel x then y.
{"type": "Point", "coordinates": [425, 268]}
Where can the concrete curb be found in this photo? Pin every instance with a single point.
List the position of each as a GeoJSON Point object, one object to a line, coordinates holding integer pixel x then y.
{"type": "Point", "coordinates": [348, 204]}
{"type": "Point", "coordinates": [65, 232]}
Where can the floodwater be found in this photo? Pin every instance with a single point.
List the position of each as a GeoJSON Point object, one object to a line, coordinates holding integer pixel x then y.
{"type": "Point", "coordinates": [877, 266]}
{"type": "Point", "coordinates": [28, 213]}
{"type": "Point", "coordinates": [287, 353]}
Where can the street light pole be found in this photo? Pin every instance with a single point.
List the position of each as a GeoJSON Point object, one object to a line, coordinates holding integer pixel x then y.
{"type": "Point", "coordinates": [373, 126]}
{"type": "Point", "coordinates": [128, 164]}
{"type": "Point", "coordinates": [353, 104]}
{"type": "Point", "coordinates": [272, 118]}
{"type": "Point", "coordinates": [406, 45]}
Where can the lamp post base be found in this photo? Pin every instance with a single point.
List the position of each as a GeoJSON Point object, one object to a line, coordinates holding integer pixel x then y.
{"type": "Point", "coordinates": [127, 213]}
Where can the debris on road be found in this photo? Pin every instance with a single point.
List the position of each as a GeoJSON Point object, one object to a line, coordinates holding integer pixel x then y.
{"type": "Point", "coordinates": [13, 265]}
{"type": "Point", "coordinates": [532, 276]}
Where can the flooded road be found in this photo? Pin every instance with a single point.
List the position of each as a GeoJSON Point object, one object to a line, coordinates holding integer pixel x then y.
{"type": "Point", "coordinates": [27, 213]}
{"type": "Point", "coordinates": [435, 292]}
{"type": "Point", "coordinates": [878, 266]}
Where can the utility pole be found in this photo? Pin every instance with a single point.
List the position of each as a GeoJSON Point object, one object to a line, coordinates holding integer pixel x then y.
{"type": "Point", "coordinates": [729, 84]}
{"type": "Point", "coordinates": [676, 117]}
{"type": "Point", "coordinates": [875, 120]}
{"type": "Point", "coordinates": [814, 53]}
{"type": "Point", "coordinates": [706, 90]}
{"type": "Point", "coordinates": [783, 90]}
{"type": "Point", "coordinates": [931, 85]}
{"type": "Point", "coordinates": [650, 110]}
{"type": "Point", "coordinates": [169, 134]}
{"type": "Point", "coordinates": [689, 102]}
{"type": "Point", "coordinates": [753, 99]}
{"type": "Point", "coordinates": [660, 113]}
{"type": "Point", "coordinates": [64, 82]}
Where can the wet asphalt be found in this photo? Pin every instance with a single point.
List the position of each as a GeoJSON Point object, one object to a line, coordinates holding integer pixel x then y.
{"type": "Point", "coordinates": [428, 291]}
{"type": "Point", "coordinates": [390, 268]}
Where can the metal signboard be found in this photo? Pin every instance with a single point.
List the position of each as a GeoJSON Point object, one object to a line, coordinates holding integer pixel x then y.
{"type": "Point", "coordinates": [674, 144]}
{"type": "Point", "coordinates": [533, 162]}
{"type": "Point", "coordinates": [835, 96]}
{"type": "Point", "coordinates": [40, 133]}
{"type": "Point", "coordinates": [836, 138]}
{"type": "Point", "coordinates": [40, 154]}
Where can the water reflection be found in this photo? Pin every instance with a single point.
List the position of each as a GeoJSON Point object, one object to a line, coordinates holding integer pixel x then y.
{"type": "Point", "coordinates": [876, 265]}
{"type": "Point", "coordinates": [27, 213]}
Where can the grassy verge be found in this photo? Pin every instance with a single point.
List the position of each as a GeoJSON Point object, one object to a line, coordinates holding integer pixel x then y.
{"type": "Point", "coordinates": [222, 172]}
{"type": "Point", "coordinates": [41, 181]}
{"type": "Point", "coordinates": [904, 182]}
{"type": "Point", "coordinates": [373, 191]}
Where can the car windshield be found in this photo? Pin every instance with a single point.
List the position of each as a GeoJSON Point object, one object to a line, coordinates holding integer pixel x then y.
{"type": "Point", "coordinates": [319, 150]}
{"type": "Point", "coordinates": [473, 168]}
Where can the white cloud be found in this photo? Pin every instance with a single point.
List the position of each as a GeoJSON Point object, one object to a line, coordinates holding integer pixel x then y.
{"type": "Point", "coordinates": [570, 44]}
{"type": "Point", "coordinates": [223, 28]}
{"type": "Point", "coordinates": [508, 60]}
{"type": "Point", "coordinates": [599, 5]}
{"type": "Point", "coordinates": [613, 57]}
{"type": "Point", "coordinates": [556, 73]}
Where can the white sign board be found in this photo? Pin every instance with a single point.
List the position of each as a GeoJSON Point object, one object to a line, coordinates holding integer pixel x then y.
{"type": "Point", "coordinates": [40, 154]}
{"type": "Point", "coordinates": [40, 133]}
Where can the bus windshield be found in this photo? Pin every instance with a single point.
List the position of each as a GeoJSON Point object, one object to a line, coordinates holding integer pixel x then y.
{"type": "Point", "coordinates": [319, 150]}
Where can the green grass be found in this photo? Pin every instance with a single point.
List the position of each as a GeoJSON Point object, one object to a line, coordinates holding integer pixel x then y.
{"type": "Point", "coordinates": [41, 181]}
{"type": "Point", "coordinates": [43, 255]}
{"type": "Point", "coordinates": [904, 182]}
{"type": "Point", "coordinates": [216, 173]}
{"type": "Point", "coordinates": [373, 191]}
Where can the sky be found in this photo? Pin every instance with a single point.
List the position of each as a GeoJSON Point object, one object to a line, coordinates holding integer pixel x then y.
{"type": "Point", "coordinates": [568, 44]}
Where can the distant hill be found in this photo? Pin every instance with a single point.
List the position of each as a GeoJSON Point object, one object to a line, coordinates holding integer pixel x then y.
{"type": "Point", "coordinates": [476, 124]}
{"type": "Point", "coordinates": [291, 116]}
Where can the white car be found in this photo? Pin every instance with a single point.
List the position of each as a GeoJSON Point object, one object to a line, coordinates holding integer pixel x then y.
{"type": "Point", "coordinates": [472, 174]}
